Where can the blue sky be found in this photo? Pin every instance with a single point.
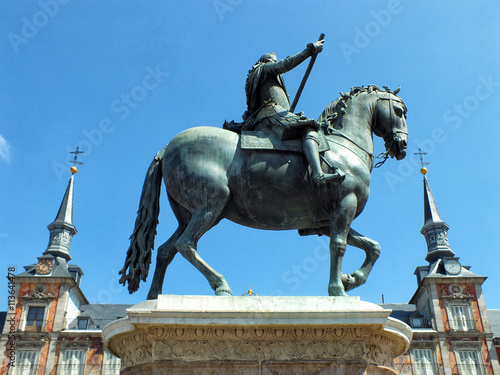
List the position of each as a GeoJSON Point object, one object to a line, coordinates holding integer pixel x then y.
{"type": "Point", "coordinates": [122, 78]}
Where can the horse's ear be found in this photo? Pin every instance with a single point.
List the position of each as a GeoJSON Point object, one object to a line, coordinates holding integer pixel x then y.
{"type": "Point", "coordinates": [397, 90]}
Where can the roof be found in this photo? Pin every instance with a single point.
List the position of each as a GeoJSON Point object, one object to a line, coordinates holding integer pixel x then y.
{"type": "Point", "coordinates": [104, 310]}
{"type": "Point", "coordinates": [101, 314]}
{"type": "Point", "coordinates": [3, 316]}
{"type": "Point", "coordinates": [95, 316]}
{"type": "Point", "coordinates": [400, 311]}
{"type": "Point", "coordinates": [494, 316]}
{"type": "Point", "coordinates": [431, 213]}
{"type": "Point", "coordinates": [60, 268]}
{"type": "Point", "coordinates": [437, 271]}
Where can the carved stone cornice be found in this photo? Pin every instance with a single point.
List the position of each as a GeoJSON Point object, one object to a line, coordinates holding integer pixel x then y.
{"type": "Point", "coordinates": [272, 333]}
{"type": "Point", "coordinates": [38, 297]}
{"type": "Point", "coordinates": [30, 343]}
{"type": "Point", "coordinates": [457, 296]}
{"type": "Point", "coordinates": [250, 344]}
{"type": "Point", "coordinates": [466, 344]}
{"type": "Point", "coordinates": [424, 344]}
{"type": "Point", "coordinates": [73, 343]}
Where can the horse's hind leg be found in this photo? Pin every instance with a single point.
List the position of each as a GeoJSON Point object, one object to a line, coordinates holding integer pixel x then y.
{"type": "Point", "coordinates": [372, 250]}
{"type": "Point", "coordinates": [167, 251]}
{"type": "Point", "coordinates": [199, 224]}
{"type": "Point", "coordinates": [166, 254]}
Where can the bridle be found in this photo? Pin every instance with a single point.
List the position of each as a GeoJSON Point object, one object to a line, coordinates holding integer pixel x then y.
{"type": "Point", "coordinates": [390, 137]}
{"type": "Point", "coordinates": [394, 134]}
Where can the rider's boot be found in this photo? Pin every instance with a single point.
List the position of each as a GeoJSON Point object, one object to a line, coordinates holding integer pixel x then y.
{"type": "Point", "coordinates": [310, 145]}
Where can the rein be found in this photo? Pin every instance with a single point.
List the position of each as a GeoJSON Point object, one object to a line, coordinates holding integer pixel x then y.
{"type": "Point", "coordinates": [385, 155]}
{"type": "Point", "coordinates": [337, 133]}
{"type": "Point", "coordinates": [388, 142]}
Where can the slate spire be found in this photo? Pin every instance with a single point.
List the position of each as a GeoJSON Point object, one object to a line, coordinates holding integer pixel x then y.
{"type": "Point", "coordinates": [435, 230]}
{"type": "Point", "coordinates": [62, 229]}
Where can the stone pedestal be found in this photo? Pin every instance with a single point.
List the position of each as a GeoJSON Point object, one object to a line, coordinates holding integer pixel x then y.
{"type": "Point", "coordinates": [257, 335]}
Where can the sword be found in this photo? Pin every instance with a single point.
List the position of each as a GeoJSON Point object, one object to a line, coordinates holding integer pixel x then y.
{"type": "Point", "coordinates": [306, 76]}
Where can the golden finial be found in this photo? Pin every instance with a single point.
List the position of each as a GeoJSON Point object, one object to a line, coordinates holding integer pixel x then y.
{"type": "Point", "coordinates": [249, 293]}
{"type": "Point", "coordinates": [423, 170]}
{"type": "Point", "coordinates": [75, 161]}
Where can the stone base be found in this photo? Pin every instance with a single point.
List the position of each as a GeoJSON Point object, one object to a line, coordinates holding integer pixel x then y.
{"type": "Point", "coordinates": [257, 335]}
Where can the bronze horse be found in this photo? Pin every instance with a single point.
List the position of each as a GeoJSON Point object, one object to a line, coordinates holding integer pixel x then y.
{"type": "Point", "coordinates": [209, 177]}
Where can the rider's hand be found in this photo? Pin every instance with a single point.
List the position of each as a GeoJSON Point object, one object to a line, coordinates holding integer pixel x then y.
{"type": "Point", "coordinates": [316, 47]}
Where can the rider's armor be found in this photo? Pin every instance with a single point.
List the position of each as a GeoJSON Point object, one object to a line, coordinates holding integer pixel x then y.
{"type": "Point", "coordinates": [269, 108]}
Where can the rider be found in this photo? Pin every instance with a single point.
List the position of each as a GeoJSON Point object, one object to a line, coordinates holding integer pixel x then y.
{"type": "Point", "coordinates": [269, 105]}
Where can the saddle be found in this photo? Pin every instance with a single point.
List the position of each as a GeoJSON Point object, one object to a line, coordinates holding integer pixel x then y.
{"type": "Point", "coordinates": [268, 140]}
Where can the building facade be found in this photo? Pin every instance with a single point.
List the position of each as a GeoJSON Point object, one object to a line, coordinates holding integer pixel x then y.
{"type": "Point", "coordinates": [452, 333]}
{"type": "Point", "coordinates": [51, 328]}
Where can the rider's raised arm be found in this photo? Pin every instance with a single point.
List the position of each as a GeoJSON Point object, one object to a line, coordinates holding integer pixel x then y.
{"type": "Point", "coordinates": [291, 62]}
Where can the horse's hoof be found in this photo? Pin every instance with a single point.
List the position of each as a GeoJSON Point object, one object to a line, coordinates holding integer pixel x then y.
{"type": "Point", "coordinates": [223, 292]}
{"type": "Point", "coordinates": [152, 295]}
{"type": "Point", "coordinates": [337, 292]}
{"type": "Point", "coordinates": [353, 280]}
{"type": "Point", "coordinates": [349, 282]}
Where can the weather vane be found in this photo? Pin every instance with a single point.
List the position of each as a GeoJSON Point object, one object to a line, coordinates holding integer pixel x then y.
{"type": "Point", "coordinates": [250, 293]}
{"type": "Point", "coordinates": [75, 159]}
{"type": "Point", "coordinates": [423, 170]}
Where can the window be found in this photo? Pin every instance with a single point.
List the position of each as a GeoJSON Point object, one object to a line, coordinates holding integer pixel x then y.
{"type": "Point", "coordinates": [423, 362]}
{"type": "Point", "coordinates": [460, 317]}
{"type": "Point", "coordinates": [111, 364]}
{"type": "Point", "coordinates": [469, 362]}
{"type": "Point", "coordinates": [34, 318]}
{"type": "Point", "coordinates": [73, 362]}
{"type": "Point", "coordinates": [83, 323]}
{"type": "Point", "coordinates": [26, 362]}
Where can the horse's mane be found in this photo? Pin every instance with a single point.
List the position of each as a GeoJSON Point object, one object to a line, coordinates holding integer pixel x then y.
{"type": "Point", "coordinates": [332, 115]}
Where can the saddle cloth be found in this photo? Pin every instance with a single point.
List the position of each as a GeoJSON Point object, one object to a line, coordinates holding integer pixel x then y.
{"type": "Point", "coordinates": [261, 140]}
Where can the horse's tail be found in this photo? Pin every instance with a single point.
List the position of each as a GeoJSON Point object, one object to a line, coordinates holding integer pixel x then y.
{"type": "Point", "coordinates": [142, 239]}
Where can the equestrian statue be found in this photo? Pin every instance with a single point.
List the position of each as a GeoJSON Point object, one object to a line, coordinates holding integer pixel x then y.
{"type": "Point", "coordinates": [276, 171]}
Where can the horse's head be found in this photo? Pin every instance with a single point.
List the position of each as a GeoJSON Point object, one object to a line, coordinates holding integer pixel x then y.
{"type": "Point", "coordinates": [389, 122]}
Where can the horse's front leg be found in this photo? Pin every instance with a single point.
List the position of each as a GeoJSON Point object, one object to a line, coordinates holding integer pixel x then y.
{"type": "Point", "coordinates": [372, 250]}
{"type": "Point", "coordinates": [342, 216]}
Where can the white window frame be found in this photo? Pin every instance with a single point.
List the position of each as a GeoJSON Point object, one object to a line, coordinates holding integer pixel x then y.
{"type": "Point", "coordinates": [24, 315]}
{"type": "Point", "coordinates": [473, 348]}
{"type": "Point", "coordinates": [464, 369]}
{"type": "Point", "coordinates": [21, 357]}
{"type": "Point", "coordinates": [111, 364]}
{"type": "Point", "coordinates": [460, 316]}
{"type": "Point", "coordinates": [81, 319]}
{"type": "Point", "coordinates": [67, 363]}
{"type": "Point", "coordinates": [428, 357]}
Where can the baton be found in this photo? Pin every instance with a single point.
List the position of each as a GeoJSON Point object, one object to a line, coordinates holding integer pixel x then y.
{"type": "Point", "coordinates": [306, 75]}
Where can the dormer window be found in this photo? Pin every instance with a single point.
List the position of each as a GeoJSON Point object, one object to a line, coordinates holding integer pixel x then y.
{"type": "Point", "coordinates": [75, 275]}
{"type": "Point", "coordinates": [83, 323]}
